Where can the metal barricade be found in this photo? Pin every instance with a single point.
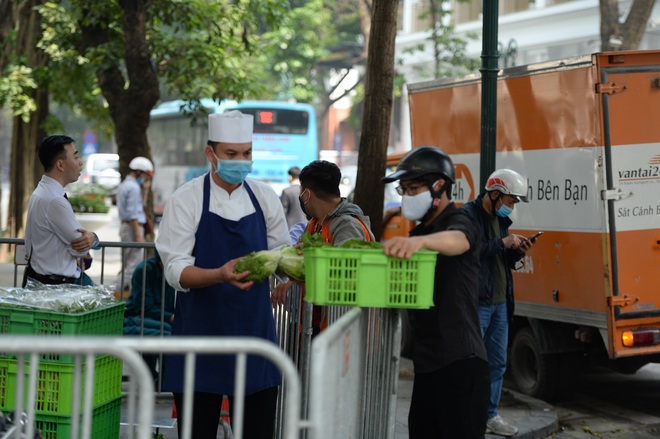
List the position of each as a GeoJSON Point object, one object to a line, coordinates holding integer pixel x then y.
{"type": "Point", "coordinates": [380, 337]}
{"type": "Point", "coordinates": [141, 390]}
{"type": "Point", "coordinates": [354, 376]}
{"type": "Point", "coordinates": [107, 249]}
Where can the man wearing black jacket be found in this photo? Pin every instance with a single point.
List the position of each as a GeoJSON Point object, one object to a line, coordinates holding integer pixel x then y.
{"type": "Point", "coordinates": [499, 253]}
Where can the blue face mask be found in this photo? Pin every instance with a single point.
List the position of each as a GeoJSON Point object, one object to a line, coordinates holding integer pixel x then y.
{"type": "Point", "coordinates": [140, 181]}
{"type": "Point", "coordinates": [233, 171]}
{"type": "Point", "coordinates": [503, 211]}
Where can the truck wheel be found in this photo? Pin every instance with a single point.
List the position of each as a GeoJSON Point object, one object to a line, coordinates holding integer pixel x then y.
{"type": "Point", "coordinates": [535, 374]}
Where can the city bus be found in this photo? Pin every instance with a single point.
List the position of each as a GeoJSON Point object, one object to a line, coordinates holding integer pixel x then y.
{"type": "Point", "coordinates": [285, 135]}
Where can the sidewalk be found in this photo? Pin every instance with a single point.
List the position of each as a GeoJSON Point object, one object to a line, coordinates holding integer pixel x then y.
{"type": "Point", "coordinates": [534, 418]}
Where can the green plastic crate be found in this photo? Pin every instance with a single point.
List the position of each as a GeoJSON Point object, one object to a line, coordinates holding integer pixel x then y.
{"type": "Point", "coordinates": [105, 423]}
{"type": "Point", "coordinates": [368, 278]}
{"type": "Point", "coordinates": [20, 321]}
{"type": "Point", "coordinates": [55, 384]}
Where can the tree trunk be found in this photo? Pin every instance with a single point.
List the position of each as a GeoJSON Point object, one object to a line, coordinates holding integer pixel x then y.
{"type": "Point", "coordinates": [379, 89]}
{"type": "Point", "coordinates": [131, 98]}
{"type": "Point", "coordinates": [25, 167]}
{"type": "Point", "coordinates": [8, 19]}
{"type": "Point", "coordinates": [615, 35]}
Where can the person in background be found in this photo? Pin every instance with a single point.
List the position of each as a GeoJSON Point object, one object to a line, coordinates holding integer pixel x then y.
{"type": "Point", "coordinates": [130, 205]}
{"type": "Point", "coordinates": [499, 253]}
{"type": "Point", "coordinates": [54, 239]}
{"type": "Point", "coordinates": [207, 225]}
{"type": "Point", "coordinates": [158, 308]}
{"type": "Point", "coordinates": [292, 210]}
{"type": "Point", "coordinates": [452, 379]}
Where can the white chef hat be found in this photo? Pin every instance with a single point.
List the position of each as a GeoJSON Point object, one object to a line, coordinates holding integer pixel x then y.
{"type": "Point", "coordinates": [230, 127]}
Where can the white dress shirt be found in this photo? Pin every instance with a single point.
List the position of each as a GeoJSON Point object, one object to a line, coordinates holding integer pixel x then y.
{"type": "Point", "coordinates": [51, 226]}
{"type": "Point", "coordinates": [183, 211]}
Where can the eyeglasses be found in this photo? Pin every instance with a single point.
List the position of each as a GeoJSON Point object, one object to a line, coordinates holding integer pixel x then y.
{"type": "Point", "coordinates": [409, 190]}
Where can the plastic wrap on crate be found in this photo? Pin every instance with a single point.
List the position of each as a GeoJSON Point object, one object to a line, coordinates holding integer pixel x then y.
{"type": "Point", "coordinates": [66, 298]}
{"type": "Point", "coordinates": [368, 278]}
{"type": "Point", "coordinates": [16, 318]}
{"type": "Point", "coordinates": [101, 321]}
{"type": "Point", "coordinates": [55, 381]}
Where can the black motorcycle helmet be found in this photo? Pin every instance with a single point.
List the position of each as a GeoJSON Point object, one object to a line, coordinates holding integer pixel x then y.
{"type": "Point", "coordinates": [421, 161]}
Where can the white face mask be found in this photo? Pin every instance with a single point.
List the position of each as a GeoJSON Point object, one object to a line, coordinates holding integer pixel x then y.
{"type": "Point", "coordinates": [414, 207]}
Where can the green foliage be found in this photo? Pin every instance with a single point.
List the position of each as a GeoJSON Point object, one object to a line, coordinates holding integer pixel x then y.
{"type": "Point", "coordinates": [315, 240]}
{"type": "Point", "coordinates": [449, 50]}
{"type": "Point", "coordinates": [200, 49]}
{"type": "Point", "coordinates": [87, 203]}
{"type": "Point", "coordinates": [360, 243]}
{"type": "Point", "coordinates": [293, 50]}
{"type": "Point", "coordinates": [16, 86]}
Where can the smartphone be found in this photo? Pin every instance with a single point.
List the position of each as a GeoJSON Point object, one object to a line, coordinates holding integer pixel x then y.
{"type": "Point", "coordinates": [536, 235]}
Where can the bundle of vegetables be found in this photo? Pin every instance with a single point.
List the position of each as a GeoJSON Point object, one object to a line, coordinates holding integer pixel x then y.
{"type": "Point", "coordinates": [265, 263]}
{"type": "Point", "coordinates": [288, 259]}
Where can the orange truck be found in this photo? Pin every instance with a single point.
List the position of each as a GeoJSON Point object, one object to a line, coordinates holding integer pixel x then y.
{"type": "Point", "coordinates": [585, 132]}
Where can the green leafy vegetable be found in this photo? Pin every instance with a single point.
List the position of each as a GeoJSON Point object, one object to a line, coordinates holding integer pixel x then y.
{"type": "Point", "coordinates": [359, 243]}
{"type": "Point", "coordinates": [292, 263]}
{"type": "Point", "coordinates": [261, 265]}
{"type": "Point", "coordinates": [315, 240]}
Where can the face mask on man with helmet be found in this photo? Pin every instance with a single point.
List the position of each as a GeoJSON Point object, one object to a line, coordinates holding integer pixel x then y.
{"type": "Point", "coordinates": [143, 166]}
{"type": "Point", "coordinates": [506, 182]}
{"type": "Point", "coordinates": [415, 170]}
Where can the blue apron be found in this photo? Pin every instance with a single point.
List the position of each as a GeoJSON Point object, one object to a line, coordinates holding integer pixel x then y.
{"type": "Point", "coordinates": [222, 309]}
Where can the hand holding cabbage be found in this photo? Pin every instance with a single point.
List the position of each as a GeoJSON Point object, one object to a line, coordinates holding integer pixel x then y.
{"type": "Point", "coordinates": [288, 259]}
{"type": "Point", "coordinates": [265, 263]}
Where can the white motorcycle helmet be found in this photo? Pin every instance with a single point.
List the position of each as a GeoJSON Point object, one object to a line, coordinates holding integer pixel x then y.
{"type": "Point", "coordinates": [142, 164]}
{"type": "Point", "coordinates": [508, 182]}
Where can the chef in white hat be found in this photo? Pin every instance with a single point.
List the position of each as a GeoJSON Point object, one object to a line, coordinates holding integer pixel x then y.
{"type": "Point", "coordinates": [207, 225]}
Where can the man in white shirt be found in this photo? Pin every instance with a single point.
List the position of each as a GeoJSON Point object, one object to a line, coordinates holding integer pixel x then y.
{"type": "Point", "coordinates": [130, 207]}
{"type": "Point", "coordinates": [54, 239]}
{"type": "Point", "coordinates": [207, 225]}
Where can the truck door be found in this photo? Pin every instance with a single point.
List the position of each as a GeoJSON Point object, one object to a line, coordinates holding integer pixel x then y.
{"type": "Point", "coordinates": [630, 88]}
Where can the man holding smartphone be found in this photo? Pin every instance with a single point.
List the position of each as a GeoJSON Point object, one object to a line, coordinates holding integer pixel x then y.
{"type": "Point", "coordinates": [499, 253]}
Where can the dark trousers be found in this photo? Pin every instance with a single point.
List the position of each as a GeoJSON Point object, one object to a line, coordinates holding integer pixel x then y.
{"type": "Point", "coordinates": [452, 402]}
{"type": "Point", "coordinates": [259, 414]}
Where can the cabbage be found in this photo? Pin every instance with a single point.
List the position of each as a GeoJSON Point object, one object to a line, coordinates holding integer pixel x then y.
{"type": "Point", "coordinates": [261, 265]}
{"type": "Point", "coordinates": [292, 263]}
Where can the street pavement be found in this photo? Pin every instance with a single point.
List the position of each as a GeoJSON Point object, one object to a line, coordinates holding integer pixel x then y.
{"type": "Point", "coordinates": [534, 418]}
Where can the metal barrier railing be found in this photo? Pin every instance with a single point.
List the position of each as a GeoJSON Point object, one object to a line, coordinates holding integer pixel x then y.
{"type": "Point", "coordinates": [98, 277]}
{"type": "Point", "coordinates": [354, 376]}
{"type": "Point", "coordinates": [381, 332]}
{"type": "Point", "coordinates": [141, 390]}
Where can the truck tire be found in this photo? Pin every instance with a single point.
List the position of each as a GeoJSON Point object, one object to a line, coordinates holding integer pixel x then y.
{"type": "Point", "coordinates": [535, 374]}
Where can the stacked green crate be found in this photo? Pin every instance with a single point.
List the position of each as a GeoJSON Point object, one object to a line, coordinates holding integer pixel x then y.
{"type": "Point", "coordinates": [105, 423]}
{"type": "Point", "coordinates": [55, 380]}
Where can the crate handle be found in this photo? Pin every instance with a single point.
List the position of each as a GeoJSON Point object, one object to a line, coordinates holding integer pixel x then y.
{"type": "Point", "coordinates": [374, 259]}
{"type": "Point", "coordinates": [21, 317]}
